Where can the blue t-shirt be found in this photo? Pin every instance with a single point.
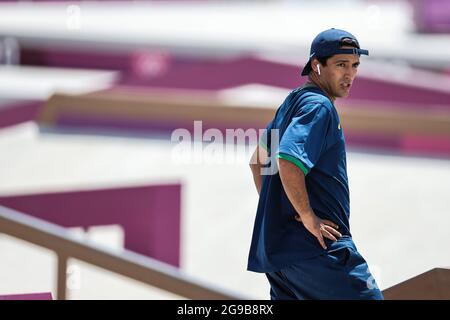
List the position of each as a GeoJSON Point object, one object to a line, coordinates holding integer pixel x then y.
{"type": "Point", "coordinates": [310, 136]}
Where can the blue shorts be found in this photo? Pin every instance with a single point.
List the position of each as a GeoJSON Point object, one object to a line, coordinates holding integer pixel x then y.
{"type": "Point", "coordinates": [340, 274]}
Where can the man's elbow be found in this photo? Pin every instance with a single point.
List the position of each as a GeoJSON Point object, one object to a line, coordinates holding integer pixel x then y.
{"type": "Point", "coordinates": [254, 159]}
{"type": "Point", "coordinates": [254, 166]}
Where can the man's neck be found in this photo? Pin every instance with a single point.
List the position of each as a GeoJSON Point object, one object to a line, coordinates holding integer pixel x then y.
{"type": "Point", "coordinates": [315, 82]}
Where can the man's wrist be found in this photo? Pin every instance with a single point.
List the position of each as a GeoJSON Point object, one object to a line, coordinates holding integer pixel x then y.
{"type": "Point", "coordinates": [305, 213]}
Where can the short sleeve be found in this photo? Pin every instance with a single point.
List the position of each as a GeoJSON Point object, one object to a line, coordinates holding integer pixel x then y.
{"type": "Point", "coordinates": [303, 141]}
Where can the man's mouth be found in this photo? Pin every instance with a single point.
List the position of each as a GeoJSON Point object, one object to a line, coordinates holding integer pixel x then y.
{"type": "Point", "coordinates": [346, 85]}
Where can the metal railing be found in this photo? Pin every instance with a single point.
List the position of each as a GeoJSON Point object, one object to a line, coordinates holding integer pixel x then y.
{"type": "Point", "coordinates": [127, 263]}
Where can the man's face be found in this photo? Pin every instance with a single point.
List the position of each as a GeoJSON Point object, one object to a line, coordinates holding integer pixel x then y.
{"type": "Point", "coordinates": [338, 74]}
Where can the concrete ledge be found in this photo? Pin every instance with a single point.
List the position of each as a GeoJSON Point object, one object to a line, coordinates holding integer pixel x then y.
{"type": "Point", "coordinates": [431, 285]}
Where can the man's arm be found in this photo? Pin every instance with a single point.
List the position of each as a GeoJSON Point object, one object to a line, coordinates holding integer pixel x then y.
{"type": "Point", "coordinates": [259, 158]}
{"type": "Point", "coordinates": [293, 180]}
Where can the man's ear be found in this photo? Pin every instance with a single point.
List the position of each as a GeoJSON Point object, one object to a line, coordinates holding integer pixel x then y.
{"type": "Point", "coordinates": [314, 64]}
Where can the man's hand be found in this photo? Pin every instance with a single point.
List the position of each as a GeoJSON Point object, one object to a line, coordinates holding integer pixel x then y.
{"type": "Point", "coordinates": [320, 228]}
{"type": "Point", "coordinates": [293, 180]}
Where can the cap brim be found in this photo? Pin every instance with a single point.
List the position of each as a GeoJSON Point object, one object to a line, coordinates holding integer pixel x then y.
{"type": "Point", "coordinates": [307, 69]}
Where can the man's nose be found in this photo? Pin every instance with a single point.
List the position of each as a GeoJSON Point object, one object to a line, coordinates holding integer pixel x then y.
{"type": "Point", "coordinates": [350, 73]}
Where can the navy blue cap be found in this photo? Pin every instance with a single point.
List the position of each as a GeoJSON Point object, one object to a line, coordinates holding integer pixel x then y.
{"type": "Point", "coordinates": [329, 42]}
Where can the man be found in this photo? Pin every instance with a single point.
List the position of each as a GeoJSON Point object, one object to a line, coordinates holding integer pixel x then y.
{"type": "Point", "coordinates": [301, 238]}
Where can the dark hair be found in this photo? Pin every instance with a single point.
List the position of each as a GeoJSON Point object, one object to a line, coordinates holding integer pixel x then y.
{"type": "Point", "coordinates": [323, 60]}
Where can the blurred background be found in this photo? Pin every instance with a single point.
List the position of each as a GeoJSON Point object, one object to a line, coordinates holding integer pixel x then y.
{"type": "Point", "coordinates": [113, 136]}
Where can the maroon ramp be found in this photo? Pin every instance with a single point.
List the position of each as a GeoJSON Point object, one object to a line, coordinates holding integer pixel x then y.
{"type": "Point", "coordinates": [149, 215]}
{"type": "Point", "coordinates": [28, 296]}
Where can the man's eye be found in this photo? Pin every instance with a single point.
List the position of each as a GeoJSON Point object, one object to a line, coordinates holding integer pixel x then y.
{"type": "Point", "coordinates": [341, 65]}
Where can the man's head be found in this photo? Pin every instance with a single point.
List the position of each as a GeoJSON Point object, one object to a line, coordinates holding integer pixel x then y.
{"type": "Point", "coordinates": [333, 62]}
